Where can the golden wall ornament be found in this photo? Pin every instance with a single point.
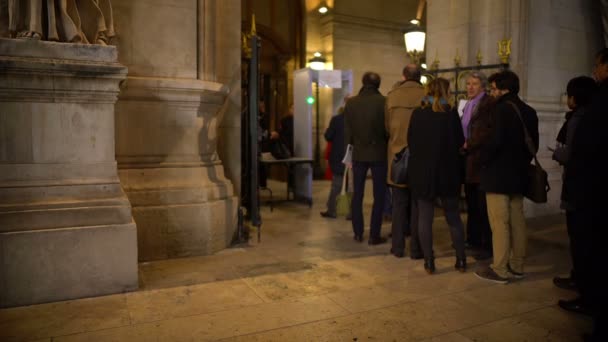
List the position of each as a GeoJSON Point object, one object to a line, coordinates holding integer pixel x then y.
{"type": "Point", "coordinates": [504, 50]}
{"type": "Point", "coordinates": [435, 64]}
{"type": "Point", "coordinates": [245, 37]}
{"type": "Point", "coordinates": [457, 58]}
{"type": "Point", "coordinates": [479, 57]}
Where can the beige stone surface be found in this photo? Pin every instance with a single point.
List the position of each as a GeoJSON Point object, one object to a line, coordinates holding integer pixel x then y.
{"type": "Point", "coordinates": [189, 300]}
{"type": "Point", "coordinates": [309, 281]}
{"type": "Point", "coordinates": [30, 323]}
{"type": "Point", "coordinates": [549, 324]}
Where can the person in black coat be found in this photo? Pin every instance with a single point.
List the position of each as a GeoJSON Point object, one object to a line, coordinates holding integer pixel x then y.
{"type": "Point", "coordinates": [505, 158]}
{"type": "Point", "coordinates": [580, 91]}
{"type": "Point", "coordinates": [586, 188]}
{"type": "Point", "coordinates": [335, 135]}
{"type": "Point", "coordinates": [435, 137]}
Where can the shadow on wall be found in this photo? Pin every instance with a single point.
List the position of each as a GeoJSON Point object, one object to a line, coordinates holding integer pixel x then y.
{"type": "Point", "coordinates": [229, 130]}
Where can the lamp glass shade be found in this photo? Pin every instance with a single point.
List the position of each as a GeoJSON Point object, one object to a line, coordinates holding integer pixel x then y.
{"type": "Point", "coordinates": [317, 63]}
{"type": "Point", "coordinates": [414, 41]}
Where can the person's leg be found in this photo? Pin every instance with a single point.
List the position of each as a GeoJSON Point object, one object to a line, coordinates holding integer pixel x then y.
{"type": "Point", "coordinates": [400, 219]}
{"type": "Point", "coordinates": [379, 182]}
{"type": "Point", "coordinates": [574, 228]}
{"type": "Point", "coordinates": [359, 174]}
{"type": "Point", "coordinates": [388, 203]}
{"type": "Point", "coordinates": [473, 228]}
{"type": "Point", "coordinates": [426, 210]}
{"type": "Point", "coordinates": [415, 248]}
{"type": "Point", "coordinates": [519, 237]}
{"type": "Point", "coordinates": [452, 216]}
{"type": "Point", "coordinates": [484, 223]}
{"type": "Point", "coordinates": [336, 188]}
{"type": "Point", "coordinates": [498, 213]}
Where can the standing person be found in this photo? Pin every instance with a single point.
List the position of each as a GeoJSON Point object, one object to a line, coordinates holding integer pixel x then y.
{"type": "Point", "coordinates": [476, 125]}
{"type": "Point", "coordinates": [435, 169]}
{"type": "Point", "coordinates": [285, 131]}
{"type": "Point", "coordinates": [364, 130]}
{"type": "Point", "coordinates": [334, 134]}
{"type": "Point", "coordinates": [580, 91]}
{"type": "Point", "coordinates": [400, 103]}
{"type": "Point", "coordinates": [505, 158]}
{"type": "Point", "coordinates": [586, 187]}
{"type": "Point", "coordinates": [263, 142]}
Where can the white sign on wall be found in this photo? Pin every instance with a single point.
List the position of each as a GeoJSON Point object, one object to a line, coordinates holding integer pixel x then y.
{"type": "Point", "coordinates": [330, 79]}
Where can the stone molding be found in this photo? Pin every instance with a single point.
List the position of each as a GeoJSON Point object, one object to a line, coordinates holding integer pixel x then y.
{"type": "Point", "coordinates": [337, 18]}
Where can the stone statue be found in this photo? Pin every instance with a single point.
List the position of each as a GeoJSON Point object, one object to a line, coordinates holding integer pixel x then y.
{"type": "Point", "coordinates": [71, 21]}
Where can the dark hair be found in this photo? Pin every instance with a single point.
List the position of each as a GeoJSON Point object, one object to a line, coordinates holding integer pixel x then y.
{"type": "Point", "coordinates": [602, 56]}
{"type": "Point", "coordinates": [581, 89]}
{"type": "Point", "coordinates": [412, 72]}
{"type": "Point", "coordinates": [506, 80]}
{"type": "Point", "coordinates": [371, 79]}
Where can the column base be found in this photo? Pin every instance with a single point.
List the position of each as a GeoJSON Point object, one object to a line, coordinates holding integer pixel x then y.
{"type": "Point", "coordinates": [59, 264]}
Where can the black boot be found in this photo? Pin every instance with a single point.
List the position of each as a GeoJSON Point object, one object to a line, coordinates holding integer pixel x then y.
{"type": "Point", "coordinates": [429, 266]}
{"type": "Point", "coordinates": [461, 264]}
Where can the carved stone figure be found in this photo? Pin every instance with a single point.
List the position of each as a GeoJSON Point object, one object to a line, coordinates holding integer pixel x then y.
{"type": "Point", "coordinates": [71, 21]}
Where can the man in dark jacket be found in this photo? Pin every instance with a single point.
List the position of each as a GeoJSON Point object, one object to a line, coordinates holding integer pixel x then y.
{"type": "Point", "coordinates": [364, 129]}
{"type": "Point", "coordinates": [505, 158]}
{"type": "Point", "coordinates": [335, 135]}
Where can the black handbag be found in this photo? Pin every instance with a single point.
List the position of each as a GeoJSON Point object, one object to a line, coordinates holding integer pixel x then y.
{"type": "Point", "coordinates": [399, 167]}
{"type": "Point", "coordinates": [538, 179]}
{"type": "Point", "coordinates": [279, 150]}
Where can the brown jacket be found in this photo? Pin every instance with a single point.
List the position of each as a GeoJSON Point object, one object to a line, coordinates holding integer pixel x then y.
{"type": "Point", "coordinates": [480, 128]}
{"type": "Point", "coordinates": [400, 103]}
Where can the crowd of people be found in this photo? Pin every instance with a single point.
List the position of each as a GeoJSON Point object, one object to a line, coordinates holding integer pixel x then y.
{"type": "Point", "coordinates": [485, 150]}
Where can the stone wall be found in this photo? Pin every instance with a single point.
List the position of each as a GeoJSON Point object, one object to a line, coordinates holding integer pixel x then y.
{"type": "Point", "coordinates": [552, 42]}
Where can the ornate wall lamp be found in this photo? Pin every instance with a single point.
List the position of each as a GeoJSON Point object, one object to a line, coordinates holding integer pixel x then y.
{"type": "Point", "coordinates": [414, 38]}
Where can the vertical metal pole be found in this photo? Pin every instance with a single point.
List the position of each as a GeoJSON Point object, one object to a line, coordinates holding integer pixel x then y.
{"type": "Point", "coordinates": [253, 134]}
{"type": "Point", "coordinates": [318, 144]}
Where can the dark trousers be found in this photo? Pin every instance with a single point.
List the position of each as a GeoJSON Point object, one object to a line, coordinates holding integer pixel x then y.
{"type": "Point", "coordinates": [404, 221]}
{"type": "Point", "coordinates": [336, 188]}
{"type": "Point", "coordinates": [426, 210]}
{"type": "Point", "coordinates": [415, 248]}
{"type": "Point", "coordinates": [400, 226]}
{"type": "Point", "coordinates": [379, 170]}
{"type": "Point", "coordinates": [580, 227]}
{"type": "Point", "coordinates": [479, 233]}
{"type": "Point", "coordinates": [588, 228]}
{"type": "Point", "coordinates": [388, 202]}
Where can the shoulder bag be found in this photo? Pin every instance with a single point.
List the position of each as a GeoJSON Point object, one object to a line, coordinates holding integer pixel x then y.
{"type": "Point", "coordinates": [538, 180]}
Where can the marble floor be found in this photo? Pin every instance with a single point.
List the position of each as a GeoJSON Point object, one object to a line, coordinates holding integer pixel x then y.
{"type": "Point", "coordinates": [309, 281]}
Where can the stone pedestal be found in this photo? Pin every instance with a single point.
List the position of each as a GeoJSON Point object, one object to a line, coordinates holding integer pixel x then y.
{"type": "Point", "coordinates": [66, 229]}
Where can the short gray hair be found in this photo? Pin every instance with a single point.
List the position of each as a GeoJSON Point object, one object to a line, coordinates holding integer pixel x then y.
{"type": "Point", "coordinates": [480, 76]}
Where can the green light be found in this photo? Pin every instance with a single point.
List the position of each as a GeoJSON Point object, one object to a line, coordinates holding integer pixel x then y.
{"type": "Point", "coordinates": [310, 100]}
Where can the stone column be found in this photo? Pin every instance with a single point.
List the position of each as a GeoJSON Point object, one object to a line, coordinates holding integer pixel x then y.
{"type": "Point", "coordinates": [66, 229]}
{"type": "Point", "coordinates": [166, 129]}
